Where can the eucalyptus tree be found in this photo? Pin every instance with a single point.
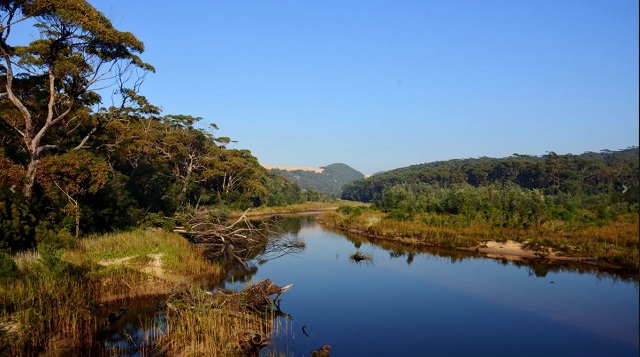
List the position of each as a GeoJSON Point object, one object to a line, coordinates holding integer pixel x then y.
{"type": "Point", "coordinates": [48, 85]}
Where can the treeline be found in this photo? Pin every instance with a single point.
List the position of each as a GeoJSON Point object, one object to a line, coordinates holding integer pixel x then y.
{"type": "Point", "coordinates": [68, 168]}
{"type": "Point", "coordinates": [499, 205]}
{"type": "Point", "coordinates": [588, 173]}
{"type": "Point", "coordinates": [134, 170]}
{"type": "Point", "coordinates": [519, 191]}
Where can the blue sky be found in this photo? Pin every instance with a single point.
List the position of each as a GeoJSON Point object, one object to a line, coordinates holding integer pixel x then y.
{"type": "Point", "coordinates": [385, 84]}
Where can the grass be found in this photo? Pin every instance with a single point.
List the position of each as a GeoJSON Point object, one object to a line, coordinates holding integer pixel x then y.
{"type": "Point", "coordinates": [614, 243]}
{"type": "Point", "coordinates": [178, 255]}
{"type": "Point", "coordinates": [52, 300]}
{"type": "Point", "coordinates": [50, 303]}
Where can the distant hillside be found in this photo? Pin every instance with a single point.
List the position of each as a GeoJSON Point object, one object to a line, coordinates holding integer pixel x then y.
{"type": "Point", "coordinates": [589, 173]}
{"type": "Point", "coordinates": [328, 181]}
{"type": "Point", "coordinates": [294, 168]}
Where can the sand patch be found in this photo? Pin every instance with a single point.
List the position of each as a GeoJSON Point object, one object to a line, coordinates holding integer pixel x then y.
{"type": "Point", "coordinates": [510, 250]}
{"type": "Point", "coordinates": [294, 168]}
{"type": "Point", "coordinates": [115, 261]}
{"type": "Point", "coordinates": [153, 268]}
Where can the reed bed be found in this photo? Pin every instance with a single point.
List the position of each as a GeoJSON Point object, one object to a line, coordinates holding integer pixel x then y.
{"type": "Point", "coordinates": [50, 299]}
{"type": "Point", "coordinates": [51, 306]}
{"type": "Point", "coordinates": [200, 323]}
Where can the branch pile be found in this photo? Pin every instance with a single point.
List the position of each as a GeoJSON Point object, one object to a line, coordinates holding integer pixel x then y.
{"type": "Point", "coordinates": [233, 242]}
{"type": "Point", "coordinates": [241, 240]}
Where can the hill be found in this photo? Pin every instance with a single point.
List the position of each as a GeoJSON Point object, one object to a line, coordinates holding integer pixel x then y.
{"type": "Point", "coordinates": [589, 173]}
{"type": "Point", "coordinates": [328, 180]}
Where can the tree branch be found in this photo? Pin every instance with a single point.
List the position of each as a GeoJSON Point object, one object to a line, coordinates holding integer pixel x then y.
{"type": "Point", "coordinates": [84, 140]}
{"type": "Point", "coordinates": [12, 126]}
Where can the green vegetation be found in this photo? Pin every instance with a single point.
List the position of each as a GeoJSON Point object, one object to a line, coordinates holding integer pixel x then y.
{"type": "Point", "coordinates": [67, 164]}
{"type": "Point", "coordinates": [71, 167]}
{"type": "Point", "coordinates": [576, 175]}
{"type": "Point", "coordinates": [581, 205]}
{"type": "Point", "coordinates": [329, 182]}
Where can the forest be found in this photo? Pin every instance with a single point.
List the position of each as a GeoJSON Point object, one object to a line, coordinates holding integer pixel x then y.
{"type": "Point", "coordinates": [519, 191]}
{"type": "Point", "coordinates": [71, 166]}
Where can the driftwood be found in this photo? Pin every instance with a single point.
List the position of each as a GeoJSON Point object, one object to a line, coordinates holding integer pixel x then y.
{"type": "Point", "coordinates": [233, 242]}
{"type": "Point", "coordinates": [240, 241]}
{"type": "Point", "coordinates": [324, 351]}
{"type": "Point", "coordinates": [262, 297]}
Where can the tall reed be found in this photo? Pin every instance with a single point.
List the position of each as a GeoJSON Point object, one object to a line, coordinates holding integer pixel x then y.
{"type": "Point", "coordinates": [199, 324]}
{"type": "Point", "coordinates": [51, 307]}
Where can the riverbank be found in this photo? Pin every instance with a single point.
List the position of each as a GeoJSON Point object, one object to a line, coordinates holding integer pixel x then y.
{"type": "Point", "coordinates": [54, 301]}
{"type": "Point", "coordinates": [614, 245]}
{"type": "Point", "coordinates": [297, 209]}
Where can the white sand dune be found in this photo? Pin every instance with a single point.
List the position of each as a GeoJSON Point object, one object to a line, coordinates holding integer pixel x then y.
{"type": "Point", "coordinates": [294, 168]}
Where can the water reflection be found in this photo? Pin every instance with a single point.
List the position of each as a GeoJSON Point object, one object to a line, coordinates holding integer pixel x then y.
{"type": "Point", "coordinates": [456, 302]}
{"type": "Point", "coordinates": [538, 267]}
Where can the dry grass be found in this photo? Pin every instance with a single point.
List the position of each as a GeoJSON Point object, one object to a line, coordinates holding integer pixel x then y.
{"type": "Point", "coordinates": [312, 207]}
{"type": "Point", "coordinates": [203, 324]}
{"type": "Point", "coordinates": [54, 303]}
{"type": "Point", "coordinates": [614, 243]}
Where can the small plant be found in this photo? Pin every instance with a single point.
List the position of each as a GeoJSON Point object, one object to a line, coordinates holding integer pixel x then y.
{"type": "Point", "coordinates": [358, 256]}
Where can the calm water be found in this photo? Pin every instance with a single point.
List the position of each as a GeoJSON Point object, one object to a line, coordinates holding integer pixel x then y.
{"type": "Point", "coordinates": [412, 303]}
{"type": "Point", "coordinates": [405, 303]}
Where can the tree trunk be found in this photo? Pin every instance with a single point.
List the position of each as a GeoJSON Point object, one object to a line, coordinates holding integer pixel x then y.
{"type": "Point", "coordinates": [30, 178]}
{"type": "Point", "coordinates": [77, 220]}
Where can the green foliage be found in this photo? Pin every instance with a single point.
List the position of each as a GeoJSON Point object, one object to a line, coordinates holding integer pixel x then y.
{"type": "Point", "coordinates": [8, 268]}
{"type": "Point", "coordinates": [49, 237]}
{"type": "Point", "coordinates": [353, 211]}
{"type": "Point", "coordinates": [500, 205]}
{"type": "Point", "coordinates": [16, 221]}
{"type": "Point", "coordinates": [587, 174]}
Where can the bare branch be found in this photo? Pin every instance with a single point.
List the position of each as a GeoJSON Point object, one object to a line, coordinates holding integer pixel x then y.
{"type": "Point", "coordinates": [84, 140]}
{"type": "Point", "coordinates": [13, 127]}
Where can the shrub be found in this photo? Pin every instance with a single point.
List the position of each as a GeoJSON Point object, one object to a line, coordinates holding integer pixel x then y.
{"type": "Point", "coordinates": [8, 269]}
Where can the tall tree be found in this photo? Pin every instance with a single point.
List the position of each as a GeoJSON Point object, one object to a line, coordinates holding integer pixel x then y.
{"type": "Point", "coordinates": [47, 85]}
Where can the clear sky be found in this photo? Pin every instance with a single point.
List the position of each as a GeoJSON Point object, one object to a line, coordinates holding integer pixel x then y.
{"type": "Point", "coordinates": [379, 84]}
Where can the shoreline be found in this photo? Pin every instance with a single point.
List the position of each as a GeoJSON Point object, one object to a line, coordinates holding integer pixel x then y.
{"type": "Point", "coordinates": [508, 250]}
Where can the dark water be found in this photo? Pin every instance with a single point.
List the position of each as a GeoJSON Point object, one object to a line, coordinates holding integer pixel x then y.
{"type": "Point", "coordinates": [419, 303]}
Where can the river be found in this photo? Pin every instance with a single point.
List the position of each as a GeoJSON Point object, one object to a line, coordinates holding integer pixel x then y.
{"type": "Point", "coordinates": [403, 302]}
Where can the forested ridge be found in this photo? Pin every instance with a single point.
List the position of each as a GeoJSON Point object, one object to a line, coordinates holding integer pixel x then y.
{"type": "Point", "coordinates": [589, 173]}
{"type": "Point", "coordinates": [520, 191]}
{"type": "Point", "coordinates": [69, 165]}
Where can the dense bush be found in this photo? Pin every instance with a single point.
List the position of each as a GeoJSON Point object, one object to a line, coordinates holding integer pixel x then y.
{"type": "Point", "coordinates": [501, 205]}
